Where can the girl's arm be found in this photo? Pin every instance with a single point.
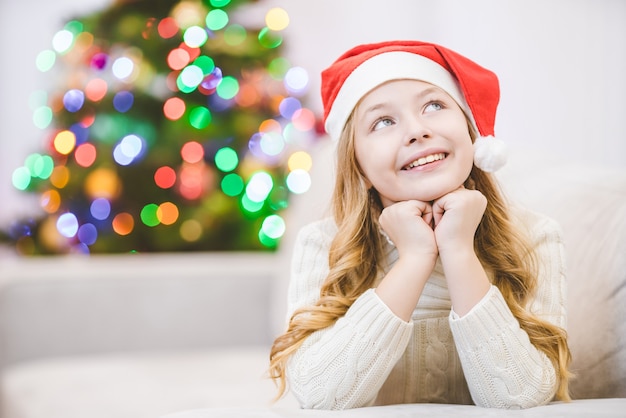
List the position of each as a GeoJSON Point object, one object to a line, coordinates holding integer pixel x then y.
{"type": "Point", "coordinates": [502, 367]}
{"type": "Point", "coordinates": [344, 365]}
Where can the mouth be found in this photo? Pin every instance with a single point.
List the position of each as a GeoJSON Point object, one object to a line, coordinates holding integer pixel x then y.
{"type": "Point", "coordinates": [425, 160]}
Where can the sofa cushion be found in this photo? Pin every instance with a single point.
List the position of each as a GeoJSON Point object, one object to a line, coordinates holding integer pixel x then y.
{"type": "Point", "coordinates": [597, 408]}
{"type": "Point", "coordinates": [139, 385]}
{"type": "Point", "coordinates": [590, 205]}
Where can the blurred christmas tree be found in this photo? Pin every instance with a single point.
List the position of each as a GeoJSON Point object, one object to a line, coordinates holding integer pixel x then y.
{"type": "Point", "coordinates": [171, 127]}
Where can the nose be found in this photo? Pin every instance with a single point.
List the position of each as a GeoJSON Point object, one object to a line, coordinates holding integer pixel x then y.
{"type": "Point", "coordinates": [417, 131]}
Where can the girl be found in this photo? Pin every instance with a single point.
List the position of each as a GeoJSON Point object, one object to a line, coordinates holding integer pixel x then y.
{"type": "Point", "coordinates": [425, 286]}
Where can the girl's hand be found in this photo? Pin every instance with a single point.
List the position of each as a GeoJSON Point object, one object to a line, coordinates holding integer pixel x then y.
{"type": "Point", "coordinates": [409, 225]}
{"type": "Point", "coordinates": [456, 217]}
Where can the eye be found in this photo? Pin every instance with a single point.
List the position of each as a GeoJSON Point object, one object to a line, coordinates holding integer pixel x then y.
{"type": "Point", "coordinates": [433, 107]}
{"type": "Point", "coordinates": [382, 123]}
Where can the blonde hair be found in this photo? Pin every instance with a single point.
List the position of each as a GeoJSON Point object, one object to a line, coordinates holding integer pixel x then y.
{"type": "Point", "coordinates": [356, 260]}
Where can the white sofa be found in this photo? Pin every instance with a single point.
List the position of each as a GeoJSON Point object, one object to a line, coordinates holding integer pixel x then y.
{"type": "Point", "coordinates": [188, 335]}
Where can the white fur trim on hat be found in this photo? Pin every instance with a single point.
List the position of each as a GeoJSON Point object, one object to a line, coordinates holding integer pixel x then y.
{"type": "Point", "coordinates": [490, 153]}
{"type": "Point", "coordinates": [385, 67]}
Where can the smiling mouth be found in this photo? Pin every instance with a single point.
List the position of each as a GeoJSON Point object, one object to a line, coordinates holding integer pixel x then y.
{"type": "Point", "coordinates": [425, 160]}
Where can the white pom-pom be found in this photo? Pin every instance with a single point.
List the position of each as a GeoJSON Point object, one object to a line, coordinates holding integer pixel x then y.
{"type": "Point", "coordinates": [490, 153]}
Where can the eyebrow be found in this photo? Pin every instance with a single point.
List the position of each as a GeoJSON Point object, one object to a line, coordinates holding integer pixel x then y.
{"type": "Point", "coordinates": [382, 105]}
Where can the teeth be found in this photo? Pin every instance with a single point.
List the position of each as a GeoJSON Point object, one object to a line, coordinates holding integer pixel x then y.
{"type": "Point", "coordinates": [426, 160]}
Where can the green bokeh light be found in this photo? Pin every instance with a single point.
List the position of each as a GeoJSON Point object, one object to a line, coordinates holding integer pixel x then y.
{"type": "Point", "coordinates": [228, 88]}
{"type": "Point", "coordinates": [206, 64]}
{"type": "Point", "coordinates": [226, 159]}
{"type": "Point", "coordinates": [270, 39]}
{"type": "Point", "coordinates": [232, 185]}
{"type": "Point", "coordinates": [273, 226]}
{"type": "Point", "coordinates": [74, 26]}
{"type": "Point", "coordinates": [42, 117]}
{"type": "Point", "coordinates": [149, 215]}
{"type": "Point", "coordinates": [235, 35]}
{"type": "Point", "coordinates": [219, 3]}
{"type": "Point", "coordinates": [278, 67]}
{"type": "Point", "coordinates": [249, 205]}
{"type": "Point", "coordinates": [39, 165]}
{"type": "Point", "coordinates": [216, 19]}
{"type": "Point", "coordinates": [21, 178]}
{"type": "Point", "coordinates": [45, 60]}
{"type": "Point", "coordinates": [267, 241]}
{"type": "Point", "coordinates": [200, 117]}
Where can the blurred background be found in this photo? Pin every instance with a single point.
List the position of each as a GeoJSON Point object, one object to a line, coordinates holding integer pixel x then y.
{"type": "Point", "coordinates": [560, 63]}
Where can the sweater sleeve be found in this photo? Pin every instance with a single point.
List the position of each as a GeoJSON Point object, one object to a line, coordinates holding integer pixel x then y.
{"type": "Point", "coordinates": [344, 365]}
{"type": "Point", "coordinates": [502, 367]}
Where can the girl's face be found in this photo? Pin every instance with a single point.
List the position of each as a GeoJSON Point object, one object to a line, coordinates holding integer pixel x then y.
{"type": "Point", "coordinates": [412, 141]}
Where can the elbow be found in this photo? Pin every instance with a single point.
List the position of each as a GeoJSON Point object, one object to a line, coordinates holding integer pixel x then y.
{"type": "Point", "coordinates": [521, 396]}
{"type": "Point", "coordinates": [315, 392]}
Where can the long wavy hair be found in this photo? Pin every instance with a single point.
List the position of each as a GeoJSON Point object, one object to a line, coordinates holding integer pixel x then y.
{"type": "Point", "coordinates": [356, 260]}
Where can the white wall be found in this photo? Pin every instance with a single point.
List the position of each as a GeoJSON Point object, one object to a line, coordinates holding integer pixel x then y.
{"type": "Point", "coordinates": [562, 64]}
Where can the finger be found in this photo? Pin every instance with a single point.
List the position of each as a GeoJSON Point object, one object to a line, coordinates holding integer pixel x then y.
{"type": "Point", "coordinates": [438, 210]}
{"type": "Point", "coordinates": [427, 215]}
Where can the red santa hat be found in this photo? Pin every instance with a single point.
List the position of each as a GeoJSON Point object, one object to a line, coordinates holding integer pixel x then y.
{"type": "Point", "coordinates": [361, 69]}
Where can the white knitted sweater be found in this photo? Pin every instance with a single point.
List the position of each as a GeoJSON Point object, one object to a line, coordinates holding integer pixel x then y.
{"type": "Point", "coordinates": [372, 357]}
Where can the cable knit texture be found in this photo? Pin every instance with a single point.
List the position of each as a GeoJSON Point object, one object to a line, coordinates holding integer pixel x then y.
{"type": "Point", "coordinates": [372, 357]}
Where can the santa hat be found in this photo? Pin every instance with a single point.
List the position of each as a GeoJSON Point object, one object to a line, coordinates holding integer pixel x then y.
{"type": "Point", "coordinates": [365, 67]}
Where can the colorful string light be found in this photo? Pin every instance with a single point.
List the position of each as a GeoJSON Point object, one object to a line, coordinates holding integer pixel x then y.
{"type": "Point", "coordinates": [170, 135]}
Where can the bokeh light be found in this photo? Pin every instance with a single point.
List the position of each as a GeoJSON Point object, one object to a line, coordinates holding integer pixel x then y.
{"type": "Point", "coordinates": [60, 176]}
{"type": "Point", "coordinates": [87, 234]}
{"type": "Point", "coordinates": [191, 230]}
{"type": "Point", "coordinates": [226, 159]}
{"type": "Point", "coordinates": [129, 150]}
{"type": "Point", "coordinates": [62, 41]}
{"type": "Point", "coordinates": [232, 184]}
{"type": "Point", "coordinates": [167, 213]}
{"type": "Point", "coordinates": [298, 181]}
{"type": "Point", "coordinates": [85, 155]}
{"type": "Point", "coordinates": [269, 39]}
{"type": "Point", "coordinates": [228, 88]}
{"type": "Point", "coordinates": [167, 28]}
{"type": "Point", "coordinates": [235, 35]}
{"type": "Point", "coordinates": [195, 36]}
{"type": "Point", "coordinates": [296, 80]}
{"type": "Point", "coordinates": [45, 60]}
{"type": "Point", "coordinates": [96, 89]}
{"type": "Point", "coordinates": [178, 58]}
{"type": "Point", "coordinates": [50, 201]}
{"type": "Point", "coordinates": [165, 177]}
{"type": "Point", "coordinates": [123, 101]}
{"type": "Point", "coordinates": [216, 19]}
{"type": "Point", "coordinates": [123, 223]}
{"type": "Point", "coordinates": [300, 160]}
{"type": "Point", "coordinates": [21, 178]}
{"type": "Point", "coordinates": [200, 117]}
{"type": "Point", "coordinates": [149, 216]}
{"type": "Point", "coordinates": [100, 208]}
{"type": "Point", "coordinates": [174, 108]}
{"type": "Point", "coordinates": [123, 68]}
{"type": "Point", "coordinates": [42, 117]}
{"type": "Point", "coordinates": [277, 19]}
{"type": "Point", "coordinates": [196, 83]}
{"type": "Point", "coordinates": [192, 152]}
{"type": "Point", "coordinates": [64, 142]}
{"type": "Point", "coordinates": [259, 186]}
{"type": "Point", "coordinates": [73, 100]}
{"type": "Point", "coordinates": [67, 225]}
{"type": "Point", "coordinates": [103, 182]}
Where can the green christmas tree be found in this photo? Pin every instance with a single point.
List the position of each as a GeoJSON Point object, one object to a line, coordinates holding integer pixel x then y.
{"type": "Point", "coordinates": [170, 127]}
